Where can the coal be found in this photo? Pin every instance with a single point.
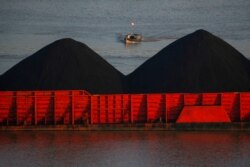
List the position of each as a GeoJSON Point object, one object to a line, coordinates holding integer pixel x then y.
{"type": "Point", "coordinates": [64, 65]}
{"type": "Point", "coordinates": [198, 62]}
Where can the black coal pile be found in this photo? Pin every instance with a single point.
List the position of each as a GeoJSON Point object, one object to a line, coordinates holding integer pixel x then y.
{"type": "Point", "coordinates": [63, 65]}
{"type": "Point", "coordinates": [198, 62]}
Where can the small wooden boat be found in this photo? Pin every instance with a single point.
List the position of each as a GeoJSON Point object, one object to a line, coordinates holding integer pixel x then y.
{"type": "Point", "coordinates": [132, 38]}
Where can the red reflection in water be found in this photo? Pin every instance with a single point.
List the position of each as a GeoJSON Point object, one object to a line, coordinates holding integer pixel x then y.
{"type": "Point", "coordinates": [124, 148]}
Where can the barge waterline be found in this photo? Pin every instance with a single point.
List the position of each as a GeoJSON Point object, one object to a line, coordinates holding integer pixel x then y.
{"type": "Point", "coordinates": [227, 127]}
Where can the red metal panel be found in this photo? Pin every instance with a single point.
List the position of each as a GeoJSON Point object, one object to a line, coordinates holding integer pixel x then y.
{"type": "Point", "coordinates": [44, 107]}
{"type": "Point", "coordinates": [7, 107]}
{"type": "Point", "coordinates": [25, 107]}
{"type": "Point", "coordinates": [111, 109]}
{"type": "Point", "coordinates": [66, 107]}
{"type": "Point", "coordinates": [62, 107]}
{"type": "Point", "coordinates": [118, 109]}
{"type": "Point", "coordinates": [203, 114]}
{"type": "Point", "coordinates": [103, 109]}
{"type": "Point", "coordinates": [126, 108]}
{"type": "Point", "coordinates": [79, 92]}
{"type": "Point", "coordinates": [81, 108]}
{"type": "Point", "coordinates": [230, 101]}
{"type": "Point", "coordinates": [139, 108]}
{"type": "Point", "coordinates": [211, 99]}
{"type": "Point", "coordinates": [191, 99]}
{"type": "Point", "coordinates": [95, 109]}
{"type": "Point", "coordinates": [245, 107]}
{"type": "Point", "coordinates": [156, 108]}
{"type": "Point", "coordinates": [174, 105]}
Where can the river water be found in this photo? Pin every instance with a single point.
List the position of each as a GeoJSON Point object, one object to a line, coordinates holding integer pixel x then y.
{"type": "Point", "coordinates": [124, 149]}
{"type": "Point", "coordinates": [28, 25]}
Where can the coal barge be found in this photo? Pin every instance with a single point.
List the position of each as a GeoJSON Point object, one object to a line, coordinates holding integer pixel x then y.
{"type": "Point", "coordinates": [198, 62]}
{"type": "Point", "coordinates": [79, 110]}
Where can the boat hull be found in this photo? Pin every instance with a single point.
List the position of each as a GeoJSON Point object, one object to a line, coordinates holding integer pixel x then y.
{"type": "Point", "coordinates": [133, 38]}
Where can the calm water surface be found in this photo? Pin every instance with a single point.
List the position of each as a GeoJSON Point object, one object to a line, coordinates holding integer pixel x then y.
{"type": "Point", "coordinates": [28, 25]}
{"type": "Point", "coordinates": [124, 149]}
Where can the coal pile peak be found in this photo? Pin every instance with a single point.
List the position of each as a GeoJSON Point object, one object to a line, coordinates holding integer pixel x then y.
{"type": "Point", "coordinates": [64, 64]}
{"type": "Point", "coordinates": [198, 62]}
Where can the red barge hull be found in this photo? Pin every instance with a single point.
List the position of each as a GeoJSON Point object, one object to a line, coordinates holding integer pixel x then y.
{"type": "Point", "coordinates": [78, 109]}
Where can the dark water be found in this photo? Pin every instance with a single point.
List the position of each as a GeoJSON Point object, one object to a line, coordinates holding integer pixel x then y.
{"type": "Point", "coordinates": [28, 25]}
{"type": "Point", "coordinates": [124, 149]}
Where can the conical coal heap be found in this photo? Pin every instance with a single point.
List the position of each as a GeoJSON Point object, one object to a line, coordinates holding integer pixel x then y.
{"type": "Point", "coordinates": [198, 62]}
{"type": "Point", "coordinates": [64, 65]}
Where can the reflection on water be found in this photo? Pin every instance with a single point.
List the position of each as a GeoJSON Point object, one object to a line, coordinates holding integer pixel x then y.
{"type": "Point", "coordinates": [146, 149]}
